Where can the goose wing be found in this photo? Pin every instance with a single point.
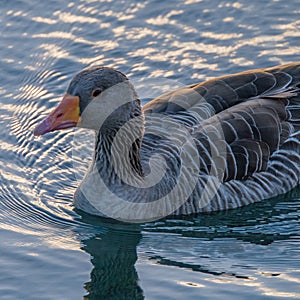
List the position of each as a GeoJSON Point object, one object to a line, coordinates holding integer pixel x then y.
{"type": "Point", "coordinates": [193, 104]}
{"type": "Point", "coordinates": [241, 140]}
{"type": "Point", "coordinates": [239, 121]}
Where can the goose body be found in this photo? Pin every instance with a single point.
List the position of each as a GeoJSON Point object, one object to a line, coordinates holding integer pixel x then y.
{"type": "Point", "coordinates": [211, 146]}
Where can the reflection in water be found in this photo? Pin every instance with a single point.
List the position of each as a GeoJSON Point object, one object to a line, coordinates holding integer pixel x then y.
{"type": "Point", "coordinates": [113, 255]}
{"type": "Point", "coordinates": [43, 44]}
{"type": "Point", "coordinates": [208, 239]}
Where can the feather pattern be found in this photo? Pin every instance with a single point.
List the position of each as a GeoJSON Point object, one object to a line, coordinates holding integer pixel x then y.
{"type": "Point", "coordinates": [240, 132]}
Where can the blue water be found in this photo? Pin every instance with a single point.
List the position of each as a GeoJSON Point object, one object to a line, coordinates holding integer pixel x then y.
{"type": "Point", "coordinates": [47, 250]}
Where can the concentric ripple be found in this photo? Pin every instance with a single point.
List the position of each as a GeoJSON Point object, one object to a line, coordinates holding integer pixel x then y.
{"type": "Point", "coordinates": [248, 252]}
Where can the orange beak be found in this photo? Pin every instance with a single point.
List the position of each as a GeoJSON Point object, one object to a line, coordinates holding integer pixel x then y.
{"type": "Point", "coordinates": [65, 115]}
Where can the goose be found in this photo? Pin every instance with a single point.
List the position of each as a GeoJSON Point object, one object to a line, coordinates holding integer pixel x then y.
{"type": "Point", "coordinates": [210, 146]}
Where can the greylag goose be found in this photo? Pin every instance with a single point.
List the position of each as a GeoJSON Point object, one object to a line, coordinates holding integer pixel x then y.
{"type": "Point", "coordinates": [210, 146]}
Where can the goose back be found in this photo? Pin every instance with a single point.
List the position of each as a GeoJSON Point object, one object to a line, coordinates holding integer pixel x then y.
{"type": "Point", "coordinates": [246, 130]}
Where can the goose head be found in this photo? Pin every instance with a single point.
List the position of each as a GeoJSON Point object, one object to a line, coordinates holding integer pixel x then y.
{"type": "Point", "coordinates": [98, 98]}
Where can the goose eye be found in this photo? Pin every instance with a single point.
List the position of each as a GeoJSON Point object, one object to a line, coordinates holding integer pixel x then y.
{"type": "Point", "coordinates": [96, 92]}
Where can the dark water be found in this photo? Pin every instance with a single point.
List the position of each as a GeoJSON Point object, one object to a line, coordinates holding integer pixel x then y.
{"type": "Point", "coordinates": [48, 251]}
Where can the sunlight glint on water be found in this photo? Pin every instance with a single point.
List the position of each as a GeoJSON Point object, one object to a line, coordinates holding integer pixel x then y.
{"type": "Point", "coordinates": [47, 250]}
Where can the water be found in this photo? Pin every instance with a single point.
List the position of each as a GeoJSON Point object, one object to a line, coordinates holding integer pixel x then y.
{"type": "Point", "coordinates": [47, 250]}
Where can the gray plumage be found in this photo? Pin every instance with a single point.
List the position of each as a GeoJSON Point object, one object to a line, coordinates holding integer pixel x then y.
{"type": "Point", "coordinates": [241, 133]}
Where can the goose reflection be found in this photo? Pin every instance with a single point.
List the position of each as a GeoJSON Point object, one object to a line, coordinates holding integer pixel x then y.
{"type": "Point", "coordinates": [113, 255]}
{"type": "Point", "coordinates": [114, 249]}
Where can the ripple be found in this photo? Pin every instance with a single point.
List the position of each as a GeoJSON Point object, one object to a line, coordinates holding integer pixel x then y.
{"type": "Point", "coordinates": [56, 38]}
{"type": "Point", "coordinates": [249, 249]}
{"type": "Point", "coordinates": [49, 161]}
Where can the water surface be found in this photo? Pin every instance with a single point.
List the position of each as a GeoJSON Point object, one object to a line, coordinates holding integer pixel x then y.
{"type": "Point", "coordinates": [47, 250]}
